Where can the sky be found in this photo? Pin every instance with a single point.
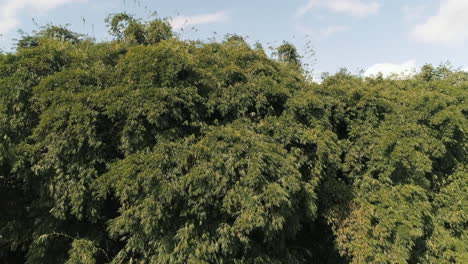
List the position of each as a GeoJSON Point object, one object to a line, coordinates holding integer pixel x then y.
{"type": "Point", "coordinates": [368, 36]}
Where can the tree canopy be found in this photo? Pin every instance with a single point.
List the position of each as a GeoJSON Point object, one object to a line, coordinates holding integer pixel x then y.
{"type": "Point", "coordinates": [153, 149]}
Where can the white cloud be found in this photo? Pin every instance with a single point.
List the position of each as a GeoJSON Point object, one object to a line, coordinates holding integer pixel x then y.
{"type": "Point", "coordinates": [404, 70]}
{"type": "Point", "coordinates": [317, 78]}
{"type": "Point", "coordinates": [320, 33]}
{"type": "Point", "coordinates": [10, 10]}
{"type": "Point", "coordinates": [413, 13]}
{"type": "Point", "coordinates": [357, 8]}
{"type": "Point", "coordinates": [465, 69]}
{"type": "Point", "coordinates": [447, 27]}
{"type": "Point", "coordinates": [180, 22]}
{"type": "Point", "coordinates": [330, 30]}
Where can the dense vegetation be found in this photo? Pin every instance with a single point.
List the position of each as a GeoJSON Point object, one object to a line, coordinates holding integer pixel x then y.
{"type": "Point", "coordinates": [153, 149]}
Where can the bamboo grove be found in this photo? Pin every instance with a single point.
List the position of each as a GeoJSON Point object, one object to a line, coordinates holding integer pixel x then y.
{"type": "Point", "coordinates": [153, 149]}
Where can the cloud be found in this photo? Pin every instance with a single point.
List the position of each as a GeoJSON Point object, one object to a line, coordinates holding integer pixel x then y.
{"type": "Point", "coordinates": [317, 78]}
{"type": "Point", "coordinates": [320, 33]}
{"type": "Point", "coordinates": [404, 70]}
{"type": "Point", "coordinates": [357, 8]}
{"type": "Point", "coordinates": [10, 10]}
{"type": "Point", "coordinates": [331, 30]}
{"type": "Point", "coordinates": [413, 13]}
{"type": "Point", "coordinates": [465, 69]}
{"type": "Point", "coordinates": [447, 27]}
{"type": "Point", "coordinates": [180, 22]}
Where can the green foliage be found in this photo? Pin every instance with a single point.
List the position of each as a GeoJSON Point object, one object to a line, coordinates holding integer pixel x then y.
{"type": "Point", "coordinates": [48, 32]}
{"type": "Point", "coordinates": [82, 252]}
{"type": "Point", "coordinates": [402, 142]}
{"type": "Point", "coordinates": [385, 226]}
{"type": "Point", "coordinates": [241, 197]}
{"type": "Point", "coordinates": [288, 53]}
{"type": "Point", "coordinates": [151, 149]}
{"type": "Point", "coordinates": [124, 27]}
{"type": "Point", "coordinates": [448, 242]}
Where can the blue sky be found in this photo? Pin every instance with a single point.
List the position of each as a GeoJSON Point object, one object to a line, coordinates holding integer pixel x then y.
{"type": "Point", "coordinates": [370, 35]}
